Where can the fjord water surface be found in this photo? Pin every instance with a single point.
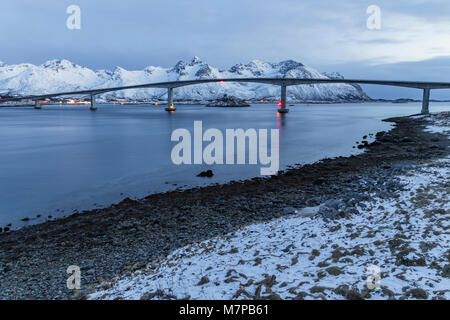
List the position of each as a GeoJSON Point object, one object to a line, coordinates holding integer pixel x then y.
{"type": "Point", "coordinates": [65, 158]}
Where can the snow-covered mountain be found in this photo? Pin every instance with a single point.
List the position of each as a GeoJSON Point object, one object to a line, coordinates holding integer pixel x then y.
{"type": "Point", "coordinates": [63, 75]}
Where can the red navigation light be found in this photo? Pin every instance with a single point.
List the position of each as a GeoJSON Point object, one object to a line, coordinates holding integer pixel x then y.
{"type": "Point", "coordinates": [280, 104]}
{"type": "Point", "coordinates": [221, 81]}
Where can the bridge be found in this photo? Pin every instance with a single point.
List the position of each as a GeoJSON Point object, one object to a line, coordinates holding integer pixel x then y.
{"type": "Point", "coordinates": [282, 82]}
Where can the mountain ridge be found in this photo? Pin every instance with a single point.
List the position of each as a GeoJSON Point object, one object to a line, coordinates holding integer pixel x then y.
{"type": "Point", "coordinates": [60, 75]}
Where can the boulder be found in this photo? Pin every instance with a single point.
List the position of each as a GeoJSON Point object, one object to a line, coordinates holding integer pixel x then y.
{"type": "Point", "coordinates": [228, 101]}
{"type": "Point", "coordinates": [207, 173]}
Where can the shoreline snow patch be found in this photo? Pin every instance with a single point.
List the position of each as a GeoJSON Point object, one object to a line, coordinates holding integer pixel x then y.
{"type": "Point", "coordinates": [405, 237]}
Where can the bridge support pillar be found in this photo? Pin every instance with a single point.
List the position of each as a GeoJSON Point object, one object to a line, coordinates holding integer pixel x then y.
{"type": "Point", "coordinates": [282, 103]}
{"type": "Point", "coordinates": [170, 107]}
{"type": "Point", "coordinates": [37, 104]}
{"type": "Point", "coordinates": [426, 101]}
{"type": "Point", "coordinates": [93, 104]}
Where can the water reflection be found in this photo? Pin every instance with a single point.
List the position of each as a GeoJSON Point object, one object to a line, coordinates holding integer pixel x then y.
{"type": "Point", "coordinates": [60, 159]}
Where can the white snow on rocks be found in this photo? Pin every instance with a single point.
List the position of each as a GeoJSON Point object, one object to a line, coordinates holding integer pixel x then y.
{"type": "Point", "coordinates": [312, 258]}
{"type": "Point", "coordinates": [440, 124]}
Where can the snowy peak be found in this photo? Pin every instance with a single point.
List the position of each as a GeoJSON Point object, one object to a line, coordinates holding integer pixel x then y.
{"type": "Point", "coordinates": [64, 66]}
{"type": "Point", "coordinates": [195, 60]}
{"type": "Point", "coordinates": [179, 68]}
{"type": "Point", "coordinates": [205, 72]}
{"type": "Point", "coordinates": [63, 75]}
{"type": "Point", "coordinates": [333, 75]}
{"type": "Point", "coordinates": [257, 68]}
{"type": "Point", "coordinates": [254, 68]}
{"type": "Point", "coordinates": [59, 65]}
{"type": "Point", "coordinates": [285, 66]}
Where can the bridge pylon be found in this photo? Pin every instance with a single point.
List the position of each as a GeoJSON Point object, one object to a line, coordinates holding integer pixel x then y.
{"type": "Point", "coordinates": [37, 104]}
{"type": "Point", "coordinates": [170, 107]}
{"type": "Point", "coordinates": [282, 103]}
{"type": "Point", "coordinates": [426, 101]}
{"type": "Point", "coordinates": [93, 104]}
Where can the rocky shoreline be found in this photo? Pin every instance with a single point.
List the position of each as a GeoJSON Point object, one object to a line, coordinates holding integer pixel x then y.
{"type": "Point", "coordinates": [123, 238]}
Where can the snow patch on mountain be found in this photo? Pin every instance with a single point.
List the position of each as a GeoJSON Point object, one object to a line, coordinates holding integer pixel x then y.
{"type": "Point", "coordinates": [63, 75]}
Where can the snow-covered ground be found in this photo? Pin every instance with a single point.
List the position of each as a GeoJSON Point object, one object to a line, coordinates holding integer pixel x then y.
{"type": "Point", "coordinates": [395, 248]}
{"type": "Point", "coordinates": [440, 124]}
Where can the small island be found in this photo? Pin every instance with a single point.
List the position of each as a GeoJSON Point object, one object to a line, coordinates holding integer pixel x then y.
{"type": "Point", "coordinates": [228, 102]}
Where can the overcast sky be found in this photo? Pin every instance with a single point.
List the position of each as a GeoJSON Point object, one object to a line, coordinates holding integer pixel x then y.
{"type": "Point", "coordinates": [412, 44]}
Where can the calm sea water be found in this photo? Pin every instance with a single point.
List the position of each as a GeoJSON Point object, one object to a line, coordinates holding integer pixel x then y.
{"type": "Point", "coordinates": [61, 159]}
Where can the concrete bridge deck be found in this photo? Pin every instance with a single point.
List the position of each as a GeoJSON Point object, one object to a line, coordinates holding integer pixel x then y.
{"type": "Point", "coordinates": [283, 82]}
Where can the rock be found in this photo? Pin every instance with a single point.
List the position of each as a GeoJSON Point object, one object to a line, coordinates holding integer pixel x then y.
{"type": "Point", "coordinates": [272, 296]}
{"type": "Point", "coordinates": [334, 271]}
{"type": "Point", "coordinates": [352, 202]}
{"type": "Point", "coordinates": [388, 292]}
{"type": "Point", "coordinates": [333, 203]}
{"type": "Point", "coordinates": [417, 293]}
{"type": "Point", "coordinates": [446, 271]}
{"type": "Point", "coordinates": [353, 295]}
{"type": "Point", "coordinates": [386, 138]}
{"type": "Point", "coordinates": [318, 289]}
{"type": "Point", "coordinates": [258, 292]}
{"type": "Point", "coordinates": [319, 181]}
{"type": "Point", "coordinates": [269, 281]}
{"type": "Point", "coordinates": [342, 290]}
{"type": "Point", "coordinates": [322, 264]}
{"type": "Point", "coordinates": [152, 295]}
{"type": "Point", "coordinates": [309, 211]}
{"type": "Point", "coordinates": [313, 202]}
{"type": "Point", "coordinates": [90, 272]}
{"type": "Point", "coordinates": [329, 213]}
{"type": "Point", "coordinates": [203, 280]}
{"type": "Point", "coordinates": [300, 296]}
{"type": "Point", "coordinates": [406, 140]}
{"type": "Point", "coordinates": [228, 101]}
{"type": "Point", "coordinates": [207, 173]}
{"type": "Point", "coordinates": [289, 210]}
{"type": "Point", "coordinates": [337, 253]}
{"type": "Point", "coordinates": [129, 201]}
{"type": "Point", "coordinates": [242, 292]}
{"type": "Point", "coordinates": [410, 259]}
{"type": "Point", "coordinates": [350, 210]}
